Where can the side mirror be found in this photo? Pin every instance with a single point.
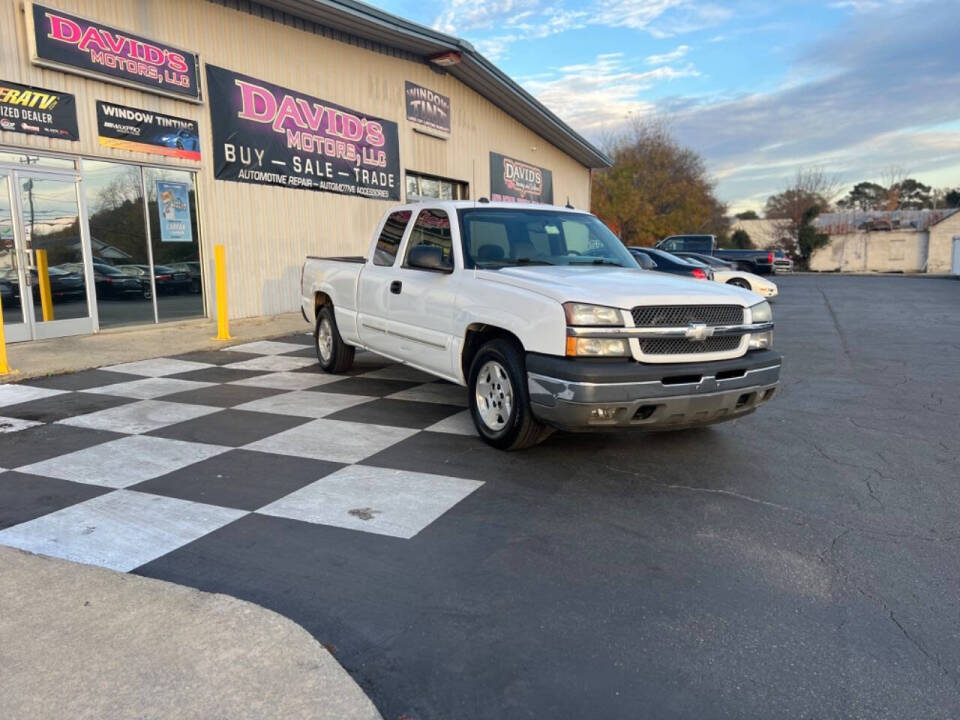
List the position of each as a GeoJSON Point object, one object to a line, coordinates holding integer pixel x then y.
{"type": "Point", "coordinates": [429, 257]}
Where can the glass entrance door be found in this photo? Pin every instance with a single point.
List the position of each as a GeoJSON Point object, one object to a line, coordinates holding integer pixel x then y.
{"type": "Point", "coordinates": [49, 240]}
{"type": "Point", "coordinates": [14, 324]}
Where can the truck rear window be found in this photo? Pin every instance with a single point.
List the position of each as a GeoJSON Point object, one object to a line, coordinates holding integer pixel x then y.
{"type": "Point", "coordinates": [388, 244]}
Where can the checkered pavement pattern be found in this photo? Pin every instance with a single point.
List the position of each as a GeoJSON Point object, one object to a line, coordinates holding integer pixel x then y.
{"type": "Point", "coordinates": [121, 465]}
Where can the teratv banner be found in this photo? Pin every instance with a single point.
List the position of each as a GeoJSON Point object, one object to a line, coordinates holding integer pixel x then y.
{"type": "Point", "coordinates": [76, 44]}
{"type": "Point", "coordinates": [516, 181]}
{"type": "Point", "coordinates": [269, 135]}
{"type": "Point", "coordinates": [146, 131]}
{"type": "Point", "coordinates": [35, 111]}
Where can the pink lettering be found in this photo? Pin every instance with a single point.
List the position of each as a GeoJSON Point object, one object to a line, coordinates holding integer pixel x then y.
{"type": "Point", "coordinates": [257, 103]}
{"type": "Point", "coordinates": [63, 29]}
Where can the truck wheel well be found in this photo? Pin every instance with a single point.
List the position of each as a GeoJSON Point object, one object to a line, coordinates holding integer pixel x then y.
{"type": "Point", "coordinates": [478, 334]}
{"type": "Point", "coordinates": [319, 300]}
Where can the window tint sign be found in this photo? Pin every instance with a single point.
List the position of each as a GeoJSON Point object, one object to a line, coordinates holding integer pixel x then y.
{"type": "Point", "coordinates": [516, 181]}
{"type": "Point", "coordinates": [146, 131]}
{"type": "Point", "coordinates": [73, 43]}
{"type": "Point", "coordinates": [269, 135]}
{"type": "Point", "coordinates": [426, 107]}
{"type": "Point", "coordinates": [34, 111]}
{"type": "Point", "coordinates": [173, 204]}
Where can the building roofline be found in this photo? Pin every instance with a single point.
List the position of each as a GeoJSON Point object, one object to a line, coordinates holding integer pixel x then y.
{"type": "Point", "coordinates": [474, 70]}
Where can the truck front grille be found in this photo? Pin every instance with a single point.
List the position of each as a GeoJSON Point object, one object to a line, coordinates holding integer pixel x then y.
{"type": "Point", "coordinates": [682, 346]}
{"type": "Point", "coordinates": [683, 315]}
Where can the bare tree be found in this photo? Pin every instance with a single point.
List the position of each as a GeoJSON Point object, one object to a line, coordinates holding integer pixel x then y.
{"type": "Point", "coordinates": [892, 178]}
{"type": "Point", "coordinates": [810, 193]}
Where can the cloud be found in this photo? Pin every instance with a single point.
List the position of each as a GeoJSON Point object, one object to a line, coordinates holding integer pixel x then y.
{"type": "Point", "coordinates": [669, 57]}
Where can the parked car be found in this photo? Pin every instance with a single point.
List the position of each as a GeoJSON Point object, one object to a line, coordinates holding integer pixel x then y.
{"type": "Point", "coordinates": [759, 262]}
{"type": "Point", "coordinates": [192, 269]}
{"type": "Point", "coordinates": [546, 318]}
{"type": "Point", "coordinates": [725, 272]}
{"type": "Point", "coordinates": [651, 259]}
{"type": "Point", "coordinates": [782, 262]}
{"type": "Point", "coordinates": [7, 295]}
{"type": "Point", "coordinates": [111, 282]}
{"type": "Point", "coordinates": [64, 285]}
{"type": "Point", "coordinates": [167, 280]}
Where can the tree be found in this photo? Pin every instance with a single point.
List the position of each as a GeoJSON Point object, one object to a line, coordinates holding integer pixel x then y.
{"type": "Point", "coordinates": [865, 196]}
{"type": "Point", "coordinates": [747, 215]}
{"type": "Point", "coordinates": [910, 194]}
{"type": "Point", "coordinates": [811, 191]}
{"type": "Point", "coordinates": [951, 198]}
{"type": "Point", "coordinates": [655, 188]}
{"type": "Point", "coordinates": [808, 239]}
{"type": "Point", "coordinates": [741, 239]}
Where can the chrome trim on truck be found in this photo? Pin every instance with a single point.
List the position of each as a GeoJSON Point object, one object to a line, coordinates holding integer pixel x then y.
{"type": "Point", "coordinates": [693, 331]}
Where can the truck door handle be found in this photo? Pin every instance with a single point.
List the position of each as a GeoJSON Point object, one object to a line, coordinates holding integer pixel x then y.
{"type": "Point", "coordinates": [395, 287]}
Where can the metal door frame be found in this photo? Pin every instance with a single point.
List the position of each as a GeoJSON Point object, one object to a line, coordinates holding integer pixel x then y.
{"type": "Point", "coordinates": [54, 328]}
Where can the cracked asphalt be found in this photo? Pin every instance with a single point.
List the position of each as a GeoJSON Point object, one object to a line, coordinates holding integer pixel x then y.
{"type": "Point", "coordinates": [802, 562]}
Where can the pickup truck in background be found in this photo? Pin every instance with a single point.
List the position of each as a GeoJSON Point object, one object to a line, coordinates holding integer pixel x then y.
{"type": "Point", "coordinates": [759, 262]}
{"type": "Point", "coordinates": [546, 318]}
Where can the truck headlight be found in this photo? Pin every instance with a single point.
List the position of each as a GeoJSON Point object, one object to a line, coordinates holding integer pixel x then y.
{"type": "Point", "coordinates": [597, 347]}
{"type": "Point", "coordinates": [592, 315]}
{"type": "Point", "coordinates": [761, 312]}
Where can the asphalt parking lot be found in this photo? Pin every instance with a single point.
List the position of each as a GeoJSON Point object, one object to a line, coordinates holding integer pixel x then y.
{"type": "Point", "coordinates": [800, 562]}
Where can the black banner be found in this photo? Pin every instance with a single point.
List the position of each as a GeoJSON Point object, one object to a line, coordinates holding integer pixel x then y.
{"type": "Point", "coordinates": [516, 181]}
{"type": "Point", "coordinates": [269, 135]}
{"type": "Point", "coordinates": [35, 111]}
{"type": "Point", "coordinates": [63, 39]}
{"type": "Point", "coordinates": [427, 107]}
{"type": "Point", "coordinates": [147, 131]}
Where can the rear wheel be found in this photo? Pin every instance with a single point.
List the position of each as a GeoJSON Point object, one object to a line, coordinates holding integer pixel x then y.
{"type": "Point", "coordinates": [739, 282]}
{"type": "Point", "coordinates": [499, 401]}
{"type": "Point", "coordinates": [334, 354]}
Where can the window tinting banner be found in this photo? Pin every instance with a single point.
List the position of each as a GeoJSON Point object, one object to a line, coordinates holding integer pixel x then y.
{"type": "Point", "coordinates": [75, 44]}
{"type": "Point", "coordinates": [146, 131]}
{"type": "Point", "coordinates": [516, 181]}
{"type": "Point", "coordinates": [426, 107]}
{"type": "Point", "coordinates": [269, 135]}
{"type": "Point", "coordinates": [35, 111]}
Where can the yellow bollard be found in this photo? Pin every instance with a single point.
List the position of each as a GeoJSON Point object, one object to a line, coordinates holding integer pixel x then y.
{"type": "Point", "coordinates": [5, 368]}
{"type": "Point", "coordinates": [43, 277]}
{"type": "Point", "coordinates": [223, 319]}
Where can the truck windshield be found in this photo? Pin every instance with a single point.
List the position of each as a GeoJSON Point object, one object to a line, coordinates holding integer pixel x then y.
{"type": "Point", "coordinates": [503, 237]}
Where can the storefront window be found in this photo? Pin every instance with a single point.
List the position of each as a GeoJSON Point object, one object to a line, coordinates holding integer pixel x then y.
{"type": "Point", "coordinates": [118, 243]}
{"type": "Point", "coordinates": [9, 278]}
{"type": "Point", "coordinates": [24, 161]}
{"type": "Point", "coordinates": [174, 237]}
{"type": "Point", "coordinates": [426, 187]}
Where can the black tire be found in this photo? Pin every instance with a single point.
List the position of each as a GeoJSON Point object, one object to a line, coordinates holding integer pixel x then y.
{"type": "Point", "coordinates": [340, 354]}
{"type": "Point", "coordinates": [520, 428]}
{"type": "Point", "coordinates": [740, 283]}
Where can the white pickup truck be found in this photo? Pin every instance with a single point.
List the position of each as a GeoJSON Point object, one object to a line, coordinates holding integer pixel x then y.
{"type": "Point", "coordinates": [546, 318]}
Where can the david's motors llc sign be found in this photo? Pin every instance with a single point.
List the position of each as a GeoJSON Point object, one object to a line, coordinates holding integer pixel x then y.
{"type": "Point", "coordinates": [517, 181]}
{"type": "Point", "coordinates": [75, 44]}
{"type": "Point", "coordinates": [270, 135]}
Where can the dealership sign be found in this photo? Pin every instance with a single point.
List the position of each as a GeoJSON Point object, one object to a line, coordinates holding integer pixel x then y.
{"type": "Point", "coordinates": [35, 111]}
{"type": "Point", "coordinates": [147, 131]}
{"type": "Point", "coordinates": [269, 135]}
{"type": "Point", "coordinates": [427, 108]}
{"type": "Point", "coordinates": [516, 181]}
{"type": "Point", "coordinates": [87, 47]}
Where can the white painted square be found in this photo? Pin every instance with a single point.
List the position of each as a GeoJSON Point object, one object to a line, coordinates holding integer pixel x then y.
{"type": "Point", "coordinates": [266, 347]}
{"type": "Point", "coordinates": [157, 367]}
{"type": "Point", "coordinates": [288, 380]}
{"type": "Point", "coordinates": [140, 417]}
{"type": "Point", "coordinates": [10, 425]}
{"type": "Point", "coordinates": [149, 388]}
{"type": "Point", "coordinates": [333, 440]}
{"type": "Point", "coordinates": [14, 394]}
{"type": "Point", "coordinates": [399, 372]}
{"type": "Point", "coordinates": [459, 424]}
{"type": "Point", "coordinates": [124, 462]}
{"type": "Point", "coordinates": [434, 392]}
{"type": "Point", "coordinates": [120, 530]}
{"type": "Point", "coordinates": [272, 363]}
{"type": "Point", "coordinates": [376, 500]}
{"type": "Point", "coordinates": [304, 403]}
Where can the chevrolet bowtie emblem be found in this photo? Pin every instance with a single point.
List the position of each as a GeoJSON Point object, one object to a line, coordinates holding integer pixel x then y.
{"type": "Point", "coordinates": [698, 332]}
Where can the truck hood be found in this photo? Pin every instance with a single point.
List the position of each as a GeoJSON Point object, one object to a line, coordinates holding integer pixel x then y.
{"type": "Point", "coordinates": [618, 287]}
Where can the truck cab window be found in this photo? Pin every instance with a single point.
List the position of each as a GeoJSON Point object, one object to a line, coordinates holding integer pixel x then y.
{"type": "Point", "coordinates": [432, 228]}
{"type": "Point", "coordinates": [388, 245]}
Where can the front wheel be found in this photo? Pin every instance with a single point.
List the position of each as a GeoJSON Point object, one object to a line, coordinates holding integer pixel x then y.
{"type": "Point", "coordinates": [334, 354]}
{"type": "Point", "coordinates": [499, 401]}
{"type": "Point", "coordinates": [739, 282]}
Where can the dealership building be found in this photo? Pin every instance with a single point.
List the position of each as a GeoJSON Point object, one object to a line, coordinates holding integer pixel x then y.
{"type": "Point", "coordinates": [136, 136]}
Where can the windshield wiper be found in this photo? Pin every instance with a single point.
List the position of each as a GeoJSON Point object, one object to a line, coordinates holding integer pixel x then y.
{"type": "Point", "coordinates": [531, 261]}
{"type": "Point", "coordinates": [596, 261]}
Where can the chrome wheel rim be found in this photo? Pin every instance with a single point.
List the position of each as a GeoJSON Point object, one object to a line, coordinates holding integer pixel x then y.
{"type": "Point", "coordinates": [494, 395]}
{"type": "Point", "coordinates": [325, 340]}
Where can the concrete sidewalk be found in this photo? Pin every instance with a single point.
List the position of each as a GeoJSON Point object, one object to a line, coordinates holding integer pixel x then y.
{"type": "Point", "coordinates": [109, 347]}
{"type": "Point", "coordinates": [82, 642]}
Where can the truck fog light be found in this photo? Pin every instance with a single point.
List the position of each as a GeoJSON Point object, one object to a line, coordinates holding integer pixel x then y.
{"type": "Point", "coordinates": [607, 413]}
{"type": "Point", "coordinates": [761, 341]}
{"type": "Point", "coordinates": [598, 347]}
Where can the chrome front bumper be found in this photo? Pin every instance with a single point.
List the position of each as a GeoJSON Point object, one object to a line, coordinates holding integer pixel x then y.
{"type": "Point", "coordinates": [666, 397]}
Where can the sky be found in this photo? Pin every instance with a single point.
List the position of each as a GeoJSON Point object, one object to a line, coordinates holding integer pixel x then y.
{"type": "Point", "coordinates": [759, 88]}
